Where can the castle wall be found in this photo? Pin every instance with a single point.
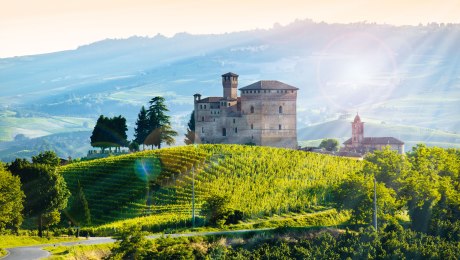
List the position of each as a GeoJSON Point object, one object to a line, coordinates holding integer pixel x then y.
{"type": "Point", "coordinates": [256, 116]}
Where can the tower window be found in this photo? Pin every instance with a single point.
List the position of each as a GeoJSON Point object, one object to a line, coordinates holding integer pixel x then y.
{"type": "Point", "coordinates": [202, 129]}
{"type": "Point", "coordinates": [279, 127]}
{"type": "Point", "coordinates": [236, 129]}
{"type": "Point", "coordinates": [201, 106]}
{"type": "Point", "coordinates": [204, 106]}
{"type": "Point", "coordinates": [202, 118]}
{"type": "Point", "coordinates": [252, 126]}
{"type": "Point", "coordinates": [280, 109]}
{"type": "Point", "coordinates": [234, 120]}
{"type": "Point", "coordinates": [224, 132]}
{"type": "Point", "coordinates": [252, 110]}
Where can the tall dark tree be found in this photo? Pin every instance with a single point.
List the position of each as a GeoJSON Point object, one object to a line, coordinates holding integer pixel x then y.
{"type": "Point", "coordinates": [141, 131]}
{"type": "Point", "coordinates": [109, 132]}
{"type": "Point", "coordinates": [190, 135]}
{"type": "Point", "coordinates": [160, 130]}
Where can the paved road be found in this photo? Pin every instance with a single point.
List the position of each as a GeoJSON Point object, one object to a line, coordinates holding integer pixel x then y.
{"type": "Point", "coordinates": [36, 252]}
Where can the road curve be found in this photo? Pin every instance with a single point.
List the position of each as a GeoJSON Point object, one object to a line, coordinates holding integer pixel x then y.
{"type": "Point", "coordinates": [36, 252]}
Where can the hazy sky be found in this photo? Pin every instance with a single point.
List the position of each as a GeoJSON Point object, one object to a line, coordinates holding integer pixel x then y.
{"type": "Point", "coordinates": [39, 26]}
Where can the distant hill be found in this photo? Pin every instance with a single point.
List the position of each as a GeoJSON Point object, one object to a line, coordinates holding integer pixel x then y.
{"type": "Point", "coordinates": [404, 76]}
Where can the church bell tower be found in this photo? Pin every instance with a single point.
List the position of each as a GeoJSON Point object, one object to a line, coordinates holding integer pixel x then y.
{"type": "Point", "coordinates": [357, 131]}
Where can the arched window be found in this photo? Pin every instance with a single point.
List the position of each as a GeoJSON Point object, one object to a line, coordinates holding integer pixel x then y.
{"type": "Point", "coordinates": [252, 110]}
{"type": "Point", "coordinates": [224, 132]}
{"type": "Point", "coordinates": [280, 109]}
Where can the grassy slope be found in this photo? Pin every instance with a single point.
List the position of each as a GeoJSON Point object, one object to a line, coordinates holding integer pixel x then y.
{"type": "Point", "coordinates": [260, 181]}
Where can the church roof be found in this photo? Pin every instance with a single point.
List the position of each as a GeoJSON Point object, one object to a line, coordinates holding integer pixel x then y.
{"type": "Point", "coordinates": [269, 84]}
{"type": "Point", "coordinates": [377, 140]}
{"type": "Point", "coordinates": [357, 119]}
{"type": "Point", "coordinates": [229, 74]}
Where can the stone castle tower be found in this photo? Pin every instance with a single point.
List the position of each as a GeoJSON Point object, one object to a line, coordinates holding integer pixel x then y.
{"type": "Point", "coordinates": [265, 114]}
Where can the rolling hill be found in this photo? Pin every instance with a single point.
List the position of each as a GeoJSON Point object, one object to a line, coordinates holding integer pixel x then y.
{"type": "Point", "coordinates": [157, 184]}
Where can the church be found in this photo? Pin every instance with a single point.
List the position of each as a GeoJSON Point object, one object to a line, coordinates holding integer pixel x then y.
{"type": "Point", "coordinates": [360, 144]}
{"type": "Point", "coordinates": [264, 114]}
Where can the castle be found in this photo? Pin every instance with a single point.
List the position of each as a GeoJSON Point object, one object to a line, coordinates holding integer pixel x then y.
{"type": "Point", "coordinates": [360, 144]}
{"type": "Point", "coordinates": [265, 114]}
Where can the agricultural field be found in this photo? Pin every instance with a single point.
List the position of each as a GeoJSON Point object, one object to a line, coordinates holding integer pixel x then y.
{"type": "Point", "coordinates": [155, 187]}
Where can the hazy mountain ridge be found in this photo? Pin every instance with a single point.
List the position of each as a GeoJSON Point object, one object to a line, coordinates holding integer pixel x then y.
{"type": "Point", "coordinates": [401, 75]}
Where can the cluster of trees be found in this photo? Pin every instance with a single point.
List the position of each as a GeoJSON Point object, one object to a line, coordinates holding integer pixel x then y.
{"type": "Point", "coordinates": [33, 189]}
{"type": "Point", "coordinates": [425, 183]}
{"type": "Point", "coordinates": [153, 125]}
{"type": "Point", "coordinates": [110, 132]}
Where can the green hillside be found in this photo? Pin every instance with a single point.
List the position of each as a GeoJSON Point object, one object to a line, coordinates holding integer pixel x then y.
{"type": "Point", "coordinates": [259, 181]}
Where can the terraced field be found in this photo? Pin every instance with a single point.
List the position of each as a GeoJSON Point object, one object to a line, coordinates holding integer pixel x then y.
{"type": "Point", "coordinates": [259, 181]}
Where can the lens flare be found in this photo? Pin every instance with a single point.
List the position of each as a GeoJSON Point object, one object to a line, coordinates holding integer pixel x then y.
{"type": "Point", "coordinates": [147, 168]}
{"type": "Point", "coordinates": [356, 70]}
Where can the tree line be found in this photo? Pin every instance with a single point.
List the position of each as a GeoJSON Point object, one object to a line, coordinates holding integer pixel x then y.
{"type": "Point", "coordinates": [153, 127]}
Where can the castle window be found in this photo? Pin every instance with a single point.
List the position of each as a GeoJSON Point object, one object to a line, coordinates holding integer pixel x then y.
{"type": "Point", "coordinates": [204, 106]}
{"type": "Point", "coordinates": [236, 130]}
{"type": "Point", "coordinates": [234, 120]}
{"type": "Point", "coordinates": [258, 91]}
{"type": "Point", "coordinates": [292, 91]}
{"type": "Point", "coordinates": [279, 127]}
{"type": "Point", "coordinates": [202, 129]}
{"type": "Point", "coordinates": [252, 110]}
{"type": "Point", "coordinates": [202, 118]}
{"type": "Point", "coordinates": [224, 132]}
{"type": "Point", "coordinates": [265, 91]}
{"type": "Point", "coordinates": [252, 126]}
{"type": "Point", "coordinates": [280, 109]}
{"type": "Point", "coordinates": [277, 91]}
{"type": "Point", "coordinates": [201, 106]}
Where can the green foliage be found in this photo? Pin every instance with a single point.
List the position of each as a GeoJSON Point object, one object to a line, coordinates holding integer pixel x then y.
{"type": "Point", "coordinates": [11, 200]}
{"type": "Point", "coordinates": [134, 146]}
{"type": "Point", "coordinates": [331, 145]}
{"type": "Point", "coordinates": [48, 158]}
{"type": "Point", "coordinates": [131, 244]}
{"type": "Point", "coordinates": [216, 209]}
{"type": "Point", "coordinates": [159, 124]}
{"type": "Point", "coordinates": [190, 135]}
{"type": "Point", "coordinates": [141, 131]}
{"type": "Point", "coordinates": [45, 189]}
{"type": "Point", "coordinates": [109, 132]}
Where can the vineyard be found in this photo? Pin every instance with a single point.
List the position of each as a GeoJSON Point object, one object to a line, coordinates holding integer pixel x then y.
{"type": "Point", "coordinates": [259, 181]}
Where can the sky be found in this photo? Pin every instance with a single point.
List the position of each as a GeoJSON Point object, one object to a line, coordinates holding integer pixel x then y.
{"type": "Point", "coordinates": [42, 26]}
